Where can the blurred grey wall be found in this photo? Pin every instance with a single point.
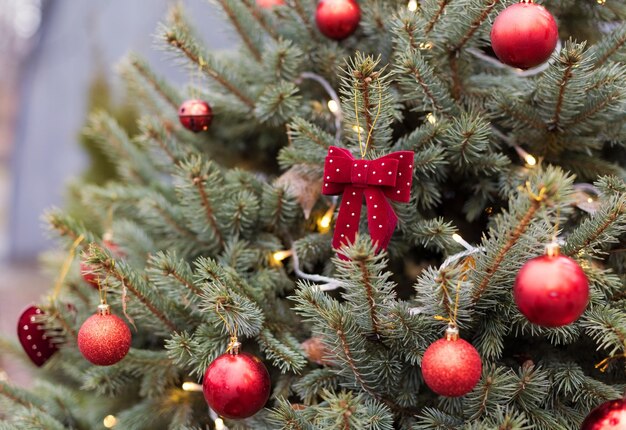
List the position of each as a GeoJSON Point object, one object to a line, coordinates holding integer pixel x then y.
{"type": "Point", "coordinates": [75, 38]}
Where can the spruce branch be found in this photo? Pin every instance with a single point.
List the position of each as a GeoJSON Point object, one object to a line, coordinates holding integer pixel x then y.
{"type": "Point", "coordinates": [180, 39]}
{"type": "Point", "coordinates": [231, 9]}
{"type": "Point", "coordinates": [106, 267]}
{"type": "Point", "coordinates": [261, 17]}
{"type": "Point", "coordinates": [551, 188]}
{"type": "Point", "coordinates": [157, 84]}
{"type": "Point", "coordinates": [166, 265]}
{"type": "Point", "coordinates": [609, 46]}
{"type": "Point", "coordinates": [304, 15]}
{"type": "Point", "coordinates": [435, 17]}
{"type": "Point", "coordinates": [481, 14]}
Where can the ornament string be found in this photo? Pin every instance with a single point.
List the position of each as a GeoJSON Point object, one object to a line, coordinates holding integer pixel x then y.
{"type": "Point", "coordinates": [233, 344]}
{"type": "Point", "coordinates": [66, 267]}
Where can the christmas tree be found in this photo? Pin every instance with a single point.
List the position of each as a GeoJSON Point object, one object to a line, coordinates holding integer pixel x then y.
{"type": "Point", "coordinates": [405, 231]}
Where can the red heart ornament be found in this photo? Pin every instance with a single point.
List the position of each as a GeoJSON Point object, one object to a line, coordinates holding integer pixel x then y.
{"type": "Point", "coordinates": [32, 336]}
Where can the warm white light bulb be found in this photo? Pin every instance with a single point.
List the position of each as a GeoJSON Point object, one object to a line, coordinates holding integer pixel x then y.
{"type": "Point", "coordinates": [219, 424]}
{"type": "Point", "coordinates": [109, 421]}
{"type": "Point", "coordinates": [412, 6]}
{"type": "Point", "coordinates": [333, 106]}
{"type": "Point", "coordinates": [530, 160]}
{"type": "Point", "coordinates": [431, 118]}
{"type": "Point", "coordinates": [191, 386]}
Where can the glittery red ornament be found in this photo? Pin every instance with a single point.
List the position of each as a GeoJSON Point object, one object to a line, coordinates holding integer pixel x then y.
{"type": "Point", "coordinates": [268, 4]}
{"type": "Point", "coordinates": [524, 35]}
{"type": "Point", "coordinates": [104, 339]}
{"type": "Point", "coordinates": [236, 386]}
{"type": "Point", "coordinates": [87, 271]}
{"type": "Point", "coordinates": [33, 338]}
{"type": "Point", "coordinates": [551, 290]}
{"type": "Point", "coordinates": [337, 19]}
{"type": "Point", "coordinates": [608, 416]}
{"type": "Point", "coordinates": [195, 115]}
{"type": "Point", "coordinates": [451, 367]}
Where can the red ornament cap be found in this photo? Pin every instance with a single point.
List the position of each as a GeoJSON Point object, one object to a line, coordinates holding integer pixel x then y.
{"type": "Point", "coordinates": [104, 339]}
{"type": "Point", "coordinates": [337, 19]}
{"type": "Point", "coordinates": [608, 416]}
{"type": "Point", "coordinates": [524, 35]}
{"type": "Point", "coordinates": [33, 338]}
{"type": "Point", "coordinates": [451, 367]}
{"type": "Point", "coordinates": [551, 290]}
{"type": "Point", "coordinates": [268, 4]}
{"type": "Point", "coordinates": [195, 115]}
{"type": "Point", "coordinates": [236, 385]}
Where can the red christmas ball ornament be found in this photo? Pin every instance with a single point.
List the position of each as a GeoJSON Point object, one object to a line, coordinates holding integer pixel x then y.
{"type": "Point", "coordinates": [268, 4]}
{"type": "Point", "coordinates": [195, 115]}
{"type": "Point", "coordinates": [608, 416]}
{"type": "Point", "coordinates": [551, 290]}
{"type": "Point", "coordinates": [236, 385]}
{"type": "Point", "coordinates": [104, 339]}
{"type": "Point", "coordinates": [87, 272]}
{"type": "Point", "coordinates": [451, 367]}
{"type": "Point", "coordinates": [31, 333]}
{"type": "Point", "coordinates": [337, 19]}
{"type": "Point", "coordinates": [524, 35]}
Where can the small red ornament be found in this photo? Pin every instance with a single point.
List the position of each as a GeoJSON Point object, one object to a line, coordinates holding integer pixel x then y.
{"type": "Point", "coordinates": [104, 339]}
{"type": "Point", "coordinates": [236, 385]}
{"type": "Point", "coordinates": [608, 416]}
{"type": "Point", "coordinates": [268, 4]}
{"type": "Point", "coordinates": [33, 338]}
{"type": "Point", "coordinates": [195, 115]}
{"type": "Point", "coordinates": [524, 35]}
{"type": "Point", "coordinates": [337, 19]}
{"type": "Point", "coordinates": [451, 367]}
{"type": "Point", "coordinates": [551, 290]}
{"type": "Point", "coordinates": [87, 271]}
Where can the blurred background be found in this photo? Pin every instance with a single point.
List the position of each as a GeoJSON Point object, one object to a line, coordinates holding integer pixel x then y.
{"type": "Point", "coordinates": [57, 61]}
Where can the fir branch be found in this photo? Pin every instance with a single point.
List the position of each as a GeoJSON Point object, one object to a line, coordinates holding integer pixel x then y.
{"type": "Point", "coordinates": [238, 26]}
{"type": "Point", "coordinates": [150, 131]}
{"type": "Point", "coordinates": [610, 45]}
{"type": "Point", "coordinates": [474, 26]}
{"type": "Point", "coordinates": [261, 18]}
{"type": "Point", "coordinates": [199, 183]}
{"type": "Point", "coordinates": [599, 229]}
{"type": "Point", "coordinates": [119, 270]}
{"type": "Point", "coordinates": [523, 224]}
{"type": "Point", "coordinates": [156, 84]}
{"type": "Point", "coordinates": [16, 396]}
{"type": "Point", "coordinates": [553, 124]}
{"type": "Point", "coordinates": [304, 16]}
{"type": "Point", "coordinates": [192, 54]}
{"type": "Point", "coordinates": [433, 20]}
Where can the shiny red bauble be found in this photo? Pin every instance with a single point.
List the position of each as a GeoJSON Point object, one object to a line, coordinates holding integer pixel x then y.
{"type": "Point", "coordinates": [195, 115]}
{"type": "Point", "coordinates": [337, 19]}
{"type": "Point", "coordinates": [524, 35]}
{"type": "Point", "coordinates": [32, 335]}
{"type": "Point", "coordinates": [551, 291]}
{"type": "Point", "coordinates": [236, 386]}
{"type": "Point", "coordinates": [268, 4]}
{"type": "Point", "coordinates": [451, 368]}
{"type": "Point", "coordinates": [608, 416]}
{"type": "Point", "coordinates": [104, 339]}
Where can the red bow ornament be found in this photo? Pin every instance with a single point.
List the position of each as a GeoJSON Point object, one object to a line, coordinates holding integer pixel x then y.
{"type": "Point", "coordinates": [389, 177]}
